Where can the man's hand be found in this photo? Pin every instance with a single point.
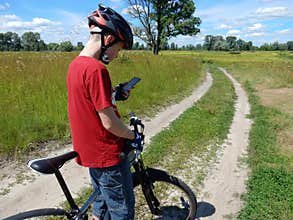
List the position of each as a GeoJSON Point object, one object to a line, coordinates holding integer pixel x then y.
{"type": "Point", "coordinates": [137, 141]}
{"type": "Point", "coordinates": [121, 95]}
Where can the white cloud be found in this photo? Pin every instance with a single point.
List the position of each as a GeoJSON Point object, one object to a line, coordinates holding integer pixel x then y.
{"type": "Point", "coordinates": [5, 18]}
{"type": "Point", "coordinates": [36, 22]}
{"type": "Point", "coordinates": [233, 32]}
{"type": "Point", "coordinates": [4, 6]}
{"type": "Point", "coordinates": [256, 27]}
{"type": "Point", "coordinates": [255, 34]}
{"type": "Point", "coordinates": [223, 26]}
{"type": "Point", "coordinates": [131, 9]}
{"type": "Point", "coordinates": [273, 12]}
{"type": "Point", "coordinates": [45, 27]}
{"type": "Point", "coordinates": [285, 31]}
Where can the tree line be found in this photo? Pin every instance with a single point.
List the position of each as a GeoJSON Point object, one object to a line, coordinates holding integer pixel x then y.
{"type": "Point", "coordinates": [31, 41]}
{"type": "Point", "coordinates": [219, 43]}
{"type": "Point", "coordinates": [231, 43]}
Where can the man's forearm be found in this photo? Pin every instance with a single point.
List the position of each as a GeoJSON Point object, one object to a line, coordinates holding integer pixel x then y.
{"type": "Point", "coordinates": [113, 124]}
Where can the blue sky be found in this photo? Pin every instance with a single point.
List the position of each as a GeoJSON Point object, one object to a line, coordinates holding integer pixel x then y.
{"type": "Point", "coordinates": [59, 20]}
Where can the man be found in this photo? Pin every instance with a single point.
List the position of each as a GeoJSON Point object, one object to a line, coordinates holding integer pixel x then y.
{"type": "Point", "coordinates": [98, 134]}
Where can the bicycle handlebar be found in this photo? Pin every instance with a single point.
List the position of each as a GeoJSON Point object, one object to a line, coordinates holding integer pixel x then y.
{"type": "Point", "coordinates": [136, 123]}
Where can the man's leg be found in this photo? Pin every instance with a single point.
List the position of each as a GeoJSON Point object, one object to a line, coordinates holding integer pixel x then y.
{"type": "Point", "coordinates": [99, 205]}
{"type": "Point", "coordinates": [117, 189]}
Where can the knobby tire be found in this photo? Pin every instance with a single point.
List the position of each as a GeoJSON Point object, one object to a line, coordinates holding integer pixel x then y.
{"type": "Point", "coordinates": [38, 213]}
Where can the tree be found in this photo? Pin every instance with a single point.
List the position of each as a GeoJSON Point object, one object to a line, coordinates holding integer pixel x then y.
{"type": "Point", "coordinates": [9, 42]}
{"type": "Point", "coordinates": [208, 42]}
{"type": "Point", "coordinates": [135, 46]}
{"type": "Point", "coordinates": [231, 41]}
{"type": "Point", "coordinates": [66, 46]}
{"type": "Point", "coordinates": [141, 47]}
{"type": "Point", "coordinates": [15, 42]}
{"type": "Point", "coordinates": [2, 42]}
{"type": "Point", "coordinates": [198, 47]}
{"type": "Point", "coordinates": [163, 19]}
{"type": "Point", "coordinates": [79, 46]}
{"type": "Point", "coordinates": [42, 46]}
{"type": "Point", "coordinates": [265, 47]}
{"type": "Point", "coordinates": [53, 46]}
{"type": "Point", "coordinates": [248, 45]}
{"type": "Point", "coordinates": [172, 46]}
{"type": "Point", "coordinates": [290, 45]}
{"type": "Point", "coordinates": [283, 46]}
{"type": "Point", "coordinates": [218, 43]}
{"type": "Point", "coordinates": [31, 41]}
{"type": "Point", "coordinates": [275, 46]}
{"type": "Point", "coordinates": [190, 47]}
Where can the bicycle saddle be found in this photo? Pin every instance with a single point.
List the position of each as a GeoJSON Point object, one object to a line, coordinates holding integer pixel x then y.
{"type": "Point", "coordinates": [51, 165]}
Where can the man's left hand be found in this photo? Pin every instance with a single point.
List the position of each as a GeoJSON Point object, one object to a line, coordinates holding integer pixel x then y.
{"type": "Point", "coordinates": [121, 95]}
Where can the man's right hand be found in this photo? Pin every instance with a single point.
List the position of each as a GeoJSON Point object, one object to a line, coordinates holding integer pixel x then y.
{"type": "Point", "coordinates": [137, 141]}
{"type": "Point", "coordinates": [120, 94]}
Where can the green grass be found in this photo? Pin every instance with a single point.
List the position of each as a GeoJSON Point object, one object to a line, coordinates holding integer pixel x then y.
{"type": "Point", "coordinates": [206, 123]}
{"type": "Point", "coordinates": [33, 94]}
{"type": "Point", "coordinates": [270, 194]}
{"type": "Point", "coordinates": [39, 115]}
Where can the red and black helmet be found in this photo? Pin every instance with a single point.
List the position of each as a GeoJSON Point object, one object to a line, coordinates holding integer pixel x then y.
{"type": "Point", "coordinates": [113, 23]}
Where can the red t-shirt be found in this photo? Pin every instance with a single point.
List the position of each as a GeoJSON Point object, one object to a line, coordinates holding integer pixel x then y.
{"type": "Point", "coordinates": [90, 90]}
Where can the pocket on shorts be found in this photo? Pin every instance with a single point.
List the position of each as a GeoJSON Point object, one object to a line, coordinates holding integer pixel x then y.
{"type": "Point", "coordinates": [113, 188]}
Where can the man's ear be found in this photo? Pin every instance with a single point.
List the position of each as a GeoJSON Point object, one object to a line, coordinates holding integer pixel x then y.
{"type": "Point", "coordinates": [109, 39]}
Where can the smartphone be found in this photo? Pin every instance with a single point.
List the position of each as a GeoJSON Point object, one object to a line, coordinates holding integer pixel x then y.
{"type": "Point", "coordinates": [128, 86]}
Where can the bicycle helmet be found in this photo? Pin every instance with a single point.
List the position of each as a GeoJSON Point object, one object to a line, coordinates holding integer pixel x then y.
{"type": "Point", "coordinates": [109, 21]}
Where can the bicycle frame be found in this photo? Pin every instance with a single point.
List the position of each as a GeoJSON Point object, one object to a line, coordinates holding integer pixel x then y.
{"type": "Point", "coordinates": [141, 176]}
{"type": "Point", "coordinates": [146, 177]}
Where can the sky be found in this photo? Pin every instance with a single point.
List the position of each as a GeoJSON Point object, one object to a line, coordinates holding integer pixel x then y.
{"type": "Point", "coordinates": [259, 21]}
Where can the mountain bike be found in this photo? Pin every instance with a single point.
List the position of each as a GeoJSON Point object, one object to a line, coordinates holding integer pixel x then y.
{"type": "Point", "coordinates": [163, 195]}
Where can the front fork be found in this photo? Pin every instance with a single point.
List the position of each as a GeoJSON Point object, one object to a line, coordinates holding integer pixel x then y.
{"type": "Point", "coordinates": [147, 186]}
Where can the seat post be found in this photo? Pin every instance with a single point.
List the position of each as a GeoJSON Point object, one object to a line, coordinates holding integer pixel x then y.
{"type": "Point", "coordinates": [65, 190]}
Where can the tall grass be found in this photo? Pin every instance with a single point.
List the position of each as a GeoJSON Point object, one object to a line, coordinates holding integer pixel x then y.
{"type": "Point", "coordinates": [165, 79]}
{"type": "Point", "coordinates": [33, 95]}
{"type": "Point", "coordinates": [33, 99]}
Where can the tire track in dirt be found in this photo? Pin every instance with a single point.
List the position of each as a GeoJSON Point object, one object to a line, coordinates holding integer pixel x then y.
{"type": "Point", "coordinates": [42, 191]}
{"type": "Point", "coordinates": [225, 182]}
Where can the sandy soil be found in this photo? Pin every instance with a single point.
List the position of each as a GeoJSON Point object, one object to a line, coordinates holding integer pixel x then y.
{"type": "Point", "coordinates": [39, 191]}
{"type": "Point", "coordinates": [225, 182]}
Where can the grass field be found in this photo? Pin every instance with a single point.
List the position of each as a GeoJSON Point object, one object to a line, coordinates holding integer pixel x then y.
{"type": "Point", "coordinates": [33, 108]}
{"type": "Point", "coordinates": [33, 95]}
{"type": "Point", "coordinates": [268, 79]}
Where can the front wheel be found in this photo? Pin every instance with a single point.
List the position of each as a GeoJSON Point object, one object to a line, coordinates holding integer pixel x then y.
{"type": "Point", "coordinates": [164, 197]}
{"type": "Point", "coordinates": [39, 214]}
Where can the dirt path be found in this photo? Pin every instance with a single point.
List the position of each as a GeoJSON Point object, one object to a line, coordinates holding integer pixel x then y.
{"type": "Point", "coordinates": [220, 195]}
{"type": "Point", "coordinates": [42, 191]}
